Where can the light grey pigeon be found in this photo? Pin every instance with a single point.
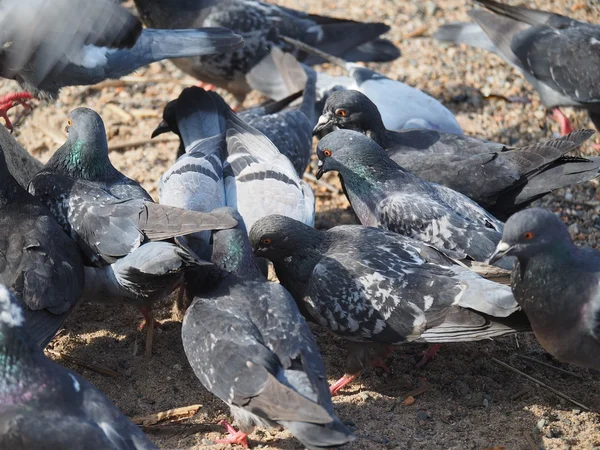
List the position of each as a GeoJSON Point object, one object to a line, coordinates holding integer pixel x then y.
{"type": "Point", "coordinates": [50, 44]}
{"type": "Point", "coordinates": [249, 345]}
{"type": "Point", "coordinates": [43, 405]}
{"type": "Point", "coordinates": [401, 106]}
{"type": "Point", "coordinates": [378, 289]}
{"type": "Point", "coordinates": [556, 283]}
{"type": "Point", "coordinates": [229, 163]}
{"type": "Point", "coordinates": [39, 263]}
{"type": "Point", "coordinates": [501, 179]}
{"type": "Point", "coordinates": [558, 55]}
{"type": "Point", "coordinates": [262, 26]}
{"type": "Point", "coordinates": [385, 195]}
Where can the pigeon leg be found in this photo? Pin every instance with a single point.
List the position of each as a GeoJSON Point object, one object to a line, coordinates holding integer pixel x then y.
{"type": "Point", "coordinates": [342, 382]}
{"type": "Point", "coordinates": [148, 318]}
{"type": "Point", "coordinates": [429, 353]}
{"type": "Point", "coordinates": [379, 360]}
{"type": "Point", "coordinates": [206, 86]}
{"type": "Point", "coordinates": [563, 121]}
{"type": "Point", "coordinates": [10, 101]}
{"type": "Point", "coordinates": [235, 437]}
{"type": "Point", "coordinates": [150, 323]}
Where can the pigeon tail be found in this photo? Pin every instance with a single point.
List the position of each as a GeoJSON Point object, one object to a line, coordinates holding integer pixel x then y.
{"type": "Point", "coordinates": [465, 33]}
{"type": "Point", "coordinates": [156, 45]}
{"type": "Point", "coordinates": [317, 436]}
{"type": "Point", "coordinates": [379, 50]}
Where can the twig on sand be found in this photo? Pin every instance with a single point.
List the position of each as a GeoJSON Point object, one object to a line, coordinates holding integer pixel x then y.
{"type": "Point", "coordinates": [85, 364]}
{"type": "Point", "coordinates": [172, 416]}
{"type": "Point", "coordinates": [329, 187]}
{"type": "Point", "coordinates": [549, 365]}
{"type": "Point", "coordinates": [540, 383]}
{"type": "Point", "coordinates": [529, 438]}
{"type": "Point", "coordinates": [139, 143]}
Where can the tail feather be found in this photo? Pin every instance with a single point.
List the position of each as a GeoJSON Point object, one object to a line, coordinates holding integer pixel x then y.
{"type": "Point", "coordinates": [522, 14]}
{"type": "Point", "coordinates": [156, 45]}
{"type": "Point", "coordinates": [317, 436]}
{"type": "Point", "coordinates": [42, 325]}
{"type": "Point", "coordinates": [378, 50]}
{"type": "Point", "coordinates": [465, 33]}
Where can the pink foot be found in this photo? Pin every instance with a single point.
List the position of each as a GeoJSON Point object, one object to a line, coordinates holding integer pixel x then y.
{"type": "Point", "coordinates": [379, 362]}
{"type": "Point", "coordinates": [10, 101]}
{"type": "Point", "coordinates": [563, 121]}
{"type": "Point", "coordinates": [429, 354]}
{"type": "Point", "coordinates": [342, 382]}
{"type": "Point", "coordinates": [235, 437]}
{"type": "Point", "coordinates": [146, 313]}
{"type": "Point", "coordinates": [206, 86]}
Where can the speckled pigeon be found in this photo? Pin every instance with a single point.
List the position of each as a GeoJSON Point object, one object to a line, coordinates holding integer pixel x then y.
{"type": "Point", "coordinates": [262, 26]}
{"type": "Point", "coordinates": [556, 284]}
{"type": "Point", "coordinates": [229, 163]}
{"type": "Point", "coordinates": [501, 179]}
{"type": "Point", "coordinates": [49, 44]}
{"type": "Point", "coordinates": [377, 288]}
{"type": "Point", "coordinates": [385, 195]}
{"type": "Point", "coordinates": [43, 405]}
{"type": "Point", "coordinates": [401, 106]}
{"type": "Point", "coordinates": [249, 345]}
{"type": "Point", "coordinates": [558, 55]}
{"type": "Point", "coordinates": [38, 261]}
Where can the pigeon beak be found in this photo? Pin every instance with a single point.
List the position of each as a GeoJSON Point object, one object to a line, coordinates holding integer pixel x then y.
{"type": "Point", "coordinates": [502, 249]}
{"type": "Point", "coordinates": [323, 125]}
{"type": "Point", "coordinates": [162, 127]}
{"type": "Point", "coordinates": [320, 172]}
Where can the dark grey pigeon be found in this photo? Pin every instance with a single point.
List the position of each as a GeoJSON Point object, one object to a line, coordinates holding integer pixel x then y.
{"type": "Point", "coordinates": [377, 289]}
{"type": "Point", "coordinates": [556, 283]}
{"type": "Point", "coordinates": [249, 345]}
{"type": "Point", "coordinates": [38, 261]}
{"type": "Point", "coordinates": [50, 44]}
{"type": "Point", "coordinates": [385, 195]}
{"type": "Point", "coordinates": [262, 25]}
{"type": "Point", "coordinates": [558, 55]}
{"type": "Point", "coordinates": [503, 180]}
{"type": "Point", "coordinates": [45, 406]}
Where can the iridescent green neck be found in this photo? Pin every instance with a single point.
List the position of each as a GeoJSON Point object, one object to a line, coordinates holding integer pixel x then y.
{"type": "Point", "coordinates": [77, 160]}
{"type": "Point", "coordinates": [17, 361]}
{"type": "Point", "coordinates": [232, 252]}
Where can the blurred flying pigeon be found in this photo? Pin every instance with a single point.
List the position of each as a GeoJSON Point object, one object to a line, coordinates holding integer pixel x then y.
{"type": "Point", "coordinates": [556, 284]}
{"type": "Point", "coordinates": [385, 195]}
{"type": "Point", "coordinates": [262, 26]}
{"type": "Point", "coordinates": [43, 405]}
{"type": "Point", "coordinates": [229, 163]}
{"type": "Point", "coordinates": [249, 345]}
{"type": "Point", "coordinates": [558, 55]}
{"type": "Point", "coordinates": [289, 128]}
{"type": "Point", "coordinates": [501, 179]}
{"type": "Point", "coordinates": [401, 106]}
{"type": "Point", "coordinates": [38, 261]}
{"type": "Point", "coordinates": [378, 289]}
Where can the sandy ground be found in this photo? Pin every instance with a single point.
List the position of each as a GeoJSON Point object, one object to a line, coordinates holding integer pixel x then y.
{"type": "Point", "coordinates": [470, 401]}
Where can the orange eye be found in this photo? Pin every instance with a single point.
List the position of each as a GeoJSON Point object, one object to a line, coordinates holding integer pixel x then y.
{"type": "Point", "coordinates": [327, 152]}
{"type": "Point", "coordinates": [266, 241]}
{"type": "Point", "coordinates": [528, 235]}
{"type": "Point", "coordinates": [70, 122]}
{"type": "Point", "coordinates": [341, 112]}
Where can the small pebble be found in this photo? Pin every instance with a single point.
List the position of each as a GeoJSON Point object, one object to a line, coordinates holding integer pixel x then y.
{"type": "Point", "coordinates": [207, 442]}
{"type": "Point", "coordinates": [541, 424]}
{"type": "Point", "coordinates": [423, 415]}
{"type": "Point", "coordinates": [178, 367]}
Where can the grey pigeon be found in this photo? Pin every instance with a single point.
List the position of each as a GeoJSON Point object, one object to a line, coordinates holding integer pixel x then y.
{"type": "Point", "coordinates": [385, 195]}
{"type": "Point", "coordinates": [288, 127]}
{"type": "Point", "coordinates": [229, 163]}
{"type": "Point", "coordinates": [38, 261]}
{"type": "Point", "coordinates": [50, 44]}
{"type": "Point", "coordinates": [501, 179]}
{"type": "Point", "coordinates": [249, 345]}
{"type": "Point", "coordinates": [556, 54]}
{"type": "Point", "coordinates": [262, 26]}
{"type": "Point", "coordinates": [556, 284]}
{"type": "Point", "coordinates": [377, 289]}
{"type": "Point", "coordinates": [401, 106]}
{"type": "Point", "coordinates": [43, 405]}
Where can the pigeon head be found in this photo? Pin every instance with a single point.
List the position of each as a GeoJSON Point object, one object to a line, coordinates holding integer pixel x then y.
{"type": "Point", "coordinates": [531, 232]}
{"type": "Point", "coordinates": [350, 151]}
{"type": "Point", "coordinates": [169, 122]}
{"type": "Point", "coordinates": [86, 126]}
{"type": "Point", "coordinates": [276, 237]}
{"type": "Point", "coordinates": [350, 110]}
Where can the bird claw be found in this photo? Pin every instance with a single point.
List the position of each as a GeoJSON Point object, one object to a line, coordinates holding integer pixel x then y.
{"type": "Point", "coordinates": [428, 355]}
{"type": "Point", "coordinates": [235, 436]}
{"type": "Point", "coordinates": [206, 86]}
{"type": "Point", "coordinates": [563, 121]}
{"type": "Point", "coordinates": [9, 101]}
{"type": "Point", "coordinates": [341, 383]}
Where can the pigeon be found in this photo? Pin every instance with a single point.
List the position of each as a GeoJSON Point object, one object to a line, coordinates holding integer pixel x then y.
{"type": "Point", "coordinates": [38, 261]}
{"type": "Point", "coordinates": [249, 345]}
{"type": "Point", "coordinates": [262, 26]}
{"type": "Point", "coordinates": [288, 127]}
{"type": "Point", "coordinates": [556, 284]}
{"type": "Point", "coordinates": [385, 195]}
{"type": "Point", "coordinates": [556, 54]}
{"type": "Point", "coordinates": [401, 106]}
{"type": "Point", "coordinates": [377, 288]}
{"type": "Point", "coordinates": [43, 405]}
{"type": "Point", "coordinates": [229, 163]}
{"type": "Point", "coordinates": [501, 179]}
